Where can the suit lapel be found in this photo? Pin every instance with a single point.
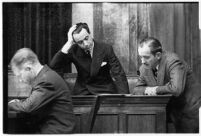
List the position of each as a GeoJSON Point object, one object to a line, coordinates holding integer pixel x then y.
{"type": "Point", "coordinates": [161, 70]}
{"type": "Point", "coordinates": [151, 78]}
{"type": "Point", "coordinates": [96, 59]}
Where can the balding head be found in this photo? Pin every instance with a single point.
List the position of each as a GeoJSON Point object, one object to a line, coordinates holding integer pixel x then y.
{"type": "Point", "coordinates": [25, 65]}
{"type": "Point", "coordinates": [152, 43]}
{"type": "Point", "coordinates": [150, 52]}
{"type": "Point", "coordinates": [22, 56]}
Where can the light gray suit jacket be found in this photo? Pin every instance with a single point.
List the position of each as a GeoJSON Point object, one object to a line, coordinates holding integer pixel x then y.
{"type": "Point", "coordinates": [174, 77]}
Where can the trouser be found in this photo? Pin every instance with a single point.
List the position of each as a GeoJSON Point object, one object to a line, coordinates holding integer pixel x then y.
{"type": "Point", "coordinates": [186, 123]}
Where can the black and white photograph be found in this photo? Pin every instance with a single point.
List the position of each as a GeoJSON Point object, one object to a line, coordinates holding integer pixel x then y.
{"type": "Point", "coordinates": [101, 67]}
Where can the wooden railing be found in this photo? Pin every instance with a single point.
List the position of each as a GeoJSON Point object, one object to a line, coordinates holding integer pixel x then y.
{"type": "Point", "coordinates": [116, 114]}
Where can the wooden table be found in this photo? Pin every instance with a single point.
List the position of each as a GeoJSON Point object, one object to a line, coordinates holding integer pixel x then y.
{"type": "Point", "coordinates": [118, 114]}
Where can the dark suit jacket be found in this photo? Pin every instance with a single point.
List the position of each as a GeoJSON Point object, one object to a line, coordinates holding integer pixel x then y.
{"type": "Point", "coordinates": [93, 78]}
{"type": "Point", "coordinates": [50, 100]}
{"type": "Point", "coordinates": [174, 77]}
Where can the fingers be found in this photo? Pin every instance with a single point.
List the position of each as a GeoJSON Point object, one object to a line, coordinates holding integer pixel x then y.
{"type": "Point", "coordinates": [150, 91]}
{"type": "Point", "coordinates": [72, 29]}
{"type": "Point", "coordinates": [70, 32]}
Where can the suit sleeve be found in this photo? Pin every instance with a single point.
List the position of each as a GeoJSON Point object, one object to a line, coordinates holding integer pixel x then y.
{"type": "Point", "coordinates": [42, 94]}
{"type": "Point", "coordinates": [140, 84]}
{"type": "Point", "coordinates": [59, 62]}
{"type": "Point", "coordinates": [176, 84]}
{"type": "Point", "coordinates": [118, 73]}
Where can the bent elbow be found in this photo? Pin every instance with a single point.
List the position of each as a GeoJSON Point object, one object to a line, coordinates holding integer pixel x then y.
{"type": "Point", "coordinates": [176, 91]}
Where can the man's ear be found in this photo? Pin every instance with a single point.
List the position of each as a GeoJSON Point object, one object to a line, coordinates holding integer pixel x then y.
{"type": "Point", "coordinates": [158, 55]}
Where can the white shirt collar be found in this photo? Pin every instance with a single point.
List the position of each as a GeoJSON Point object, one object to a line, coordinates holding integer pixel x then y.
{"type": "Point", "coordinates": [157, 67]}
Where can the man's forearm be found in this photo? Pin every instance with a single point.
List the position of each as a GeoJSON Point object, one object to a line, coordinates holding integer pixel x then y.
{"type": "Point", "coordinates": [65, 49]}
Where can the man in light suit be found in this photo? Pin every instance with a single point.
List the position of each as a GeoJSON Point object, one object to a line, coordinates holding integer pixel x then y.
{"type": "Point", "coordinates": [174, 77]}
{"type": "Point", "coordinates": [99, 70]}
{"type": "Point", "coordinates": [49, 100]}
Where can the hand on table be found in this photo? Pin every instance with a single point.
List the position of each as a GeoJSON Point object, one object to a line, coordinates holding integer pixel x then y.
{"type": "Point", "coordinates": [150, 90]}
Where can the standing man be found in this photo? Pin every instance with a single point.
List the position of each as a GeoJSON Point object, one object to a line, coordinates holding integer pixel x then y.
{"type": "Point", "coordinates": [50, 97]}
{"type": "Point", "coordinates": [174, 77]}
{"type": "Point", "coordinates": [95, 62]}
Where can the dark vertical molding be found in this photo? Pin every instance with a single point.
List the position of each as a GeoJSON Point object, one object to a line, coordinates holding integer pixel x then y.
{"type": "Point", "coordinates": [133, 41]}
{"type": "Point", "coordinates": [179, 30]}
{"type": "Point", "coordinates": [188, 53]}
{"type": "Point", "coordinates": [49, 34]}
{"type": "Point", "coordinates": [195, 39]}
{"type": "Point", "coordinates": [98, 17]}
{"type": "Point", "coordinates": [123, 121]}
{"type": "Point", "coordinates": [37, 26]}
{"type": "Point", "coordinates": [162, 24]}
{"type": "Point", "coordinates": [25, 25]}
{"type": "Point", "coordinates": [142, 18]}
{"type": "Point", "coordinates": [43, 34]}
{"type": "Point", "coordinates": [29, 22]}
{"type": "Point", "coordinates": [5, 68]}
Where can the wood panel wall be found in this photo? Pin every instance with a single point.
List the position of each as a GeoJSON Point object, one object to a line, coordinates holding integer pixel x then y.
{"type": "Point", "coordinates": [123, 25]}
{"type": "Point", "coordinates": [43, 28]}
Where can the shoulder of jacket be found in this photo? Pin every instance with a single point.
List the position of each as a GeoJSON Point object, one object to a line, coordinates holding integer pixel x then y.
{"type": "Point", "coordinates": [171, 56]}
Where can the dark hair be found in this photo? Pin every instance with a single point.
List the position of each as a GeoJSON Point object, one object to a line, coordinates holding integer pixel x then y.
{"type": "Point", "coordinates": [80, 26]}
{"type": "Point", "coordinates": [153, 43]}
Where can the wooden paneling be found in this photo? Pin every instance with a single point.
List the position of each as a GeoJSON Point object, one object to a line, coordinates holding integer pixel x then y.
{"type": "Point", "coordinates": [123, 25]}
{"type": "Point", "coordinates": [179, 30]}
{"type": "Point", "coordinates": [98, 25]}
{"type": "Point", "coordinates": [43, 28]}
{"type": "Point", "coordinates": [162, 24]}
{"type": "Point", "coordinates": [133, 40]}
{"type": "Point", "coordinates": [119, 114]}
{"type": "Point", "coordinates": [142, 123]}
{"type": "Point", "coordinates": [194, 36]}
{"type": "Point", "coordinates": [107, 123]}
{"type": "Point", "coordinates": [115, 21]}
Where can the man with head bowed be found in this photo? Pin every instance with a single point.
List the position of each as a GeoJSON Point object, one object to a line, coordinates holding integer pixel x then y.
{"type": "Point", "coordinates": [49, 100]}
{"type": "Point", "coordinates": [164, 72]}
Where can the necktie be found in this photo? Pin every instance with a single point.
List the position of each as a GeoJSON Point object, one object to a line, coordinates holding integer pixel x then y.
{"type": "Point", "coordinates": [155, 72]}
{"type": "Point", "coordinates": [88, 53]}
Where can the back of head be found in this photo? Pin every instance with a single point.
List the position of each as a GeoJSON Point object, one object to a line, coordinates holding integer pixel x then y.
{"type": "Point", "coordinates": [153, 43]}
{"type": "Point", "coordinates": [23, 56]}
{"type": "Point", "coordinates": [79, 28]}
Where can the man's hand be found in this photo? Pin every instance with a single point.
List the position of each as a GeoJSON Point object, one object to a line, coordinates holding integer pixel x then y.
{"type": "Point", "coordinates": [14, 100]}
{"type": "Point", "coordinates": [70, 34]}
{"type": "Point", "coordinates": [70, 41]}
{"type": "Point", "coordinates": [150, 90]}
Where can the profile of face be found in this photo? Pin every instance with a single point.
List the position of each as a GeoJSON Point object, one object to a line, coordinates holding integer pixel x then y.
{"type": "Point", "coordinates": [147, 58]}
{"type": "Point", "coordinates": [83, 39]}
{"type": "Point", "coordinates": [25, 73]}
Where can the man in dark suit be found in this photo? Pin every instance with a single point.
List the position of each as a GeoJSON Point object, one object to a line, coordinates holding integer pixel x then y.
{"type": "Point", "coordinates": [96, 63]}
{"type": "Point", "coordinates": [174, 77]}
{"type": "Point", "coordinates": [50, 97]}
